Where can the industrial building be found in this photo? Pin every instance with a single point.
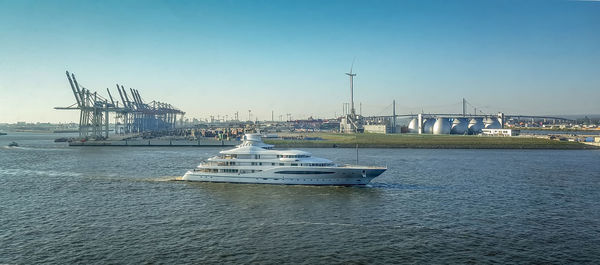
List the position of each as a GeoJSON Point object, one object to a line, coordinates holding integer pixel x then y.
{"type": "Point", "coordinates": [500, 132]}
{"type": "Point", "coordinates": [440, 123]}
{"type": "Point", "coordinates": [437, 124]}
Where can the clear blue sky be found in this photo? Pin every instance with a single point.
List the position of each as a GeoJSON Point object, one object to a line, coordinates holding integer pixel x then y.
{"type": "Point", "coordinates": [218, 57]}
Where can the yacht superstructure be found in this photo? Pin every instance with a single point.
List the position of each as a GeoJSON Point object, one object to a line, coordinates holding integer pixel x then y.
{"type": "Point", "coordinates": [256, 162]}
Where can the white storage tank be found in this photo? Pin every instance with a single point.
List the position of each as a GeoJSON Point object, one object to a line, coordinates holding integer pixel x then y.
{"type": "Point", "coordinates": [475, 125]}
{"type": "Point", "coordinates": [428, 125]}
{"type": "Point", "coordinates": [459, 126]}
{"type": "Point", "coordinates": [442, 126]}
{"type": "Point", "coordinates": [492, 123]}
{"type": "Point", "coordinates": [413, 126]}
{"type": "Point", "coordinates": [486, 121]}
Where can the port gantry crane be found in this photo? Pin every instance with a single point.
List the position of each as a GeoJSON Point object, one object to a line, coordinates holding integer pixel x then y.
{"type": "Point", "coordinates": [131, 116]}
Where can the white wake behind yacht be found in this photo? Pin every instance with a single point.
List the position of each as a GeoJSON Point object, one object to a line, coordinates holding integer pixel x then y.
{"type": "Point", "coordinates": [256, 162]}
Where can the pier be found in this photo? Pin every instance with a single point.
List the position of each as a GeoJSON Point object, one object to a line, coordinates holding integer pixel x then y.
{"type": "Point", "coordinates": [158, 142]}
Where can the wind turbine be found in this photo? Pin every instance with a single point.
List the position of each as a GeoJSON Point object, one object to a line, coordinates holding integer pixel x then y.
{"type": "Point", "coordinates": [352, 75]}
{"type": "Point", "coordinates": [352, 111]}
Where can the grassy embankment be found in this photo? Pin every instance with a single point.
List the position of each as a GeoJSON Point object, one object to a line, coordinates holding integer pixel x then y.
{"type": "Point", "coordinates": [580, 130]}
{"type": "Point", "coordinates": [427, 141]}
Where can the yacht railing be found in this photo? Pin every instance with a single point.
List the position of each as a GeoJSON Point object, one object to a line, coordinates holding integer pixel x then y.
{"type": "Point", "coordinates": [359, 166]}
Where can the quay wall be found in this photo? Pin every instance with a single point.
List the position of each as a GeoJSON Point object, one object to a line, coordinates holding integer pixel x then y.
{"type": "Point", "coordinates": [157, 142]}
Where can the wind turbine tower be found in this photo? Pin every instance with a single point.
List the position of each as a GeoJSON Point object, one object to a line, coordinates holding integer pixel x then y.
{"type": "Point", "coordinates": [352, 122]}
{"type": "Point", "coordinates": [352, 111]}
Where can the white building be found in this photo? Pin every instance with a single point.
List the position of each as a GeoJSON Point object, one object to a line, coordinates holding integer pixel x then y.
{"type": "Point", "coordinates": [376, 128]}
{"type": "Point", "coordinates": [500, 132]}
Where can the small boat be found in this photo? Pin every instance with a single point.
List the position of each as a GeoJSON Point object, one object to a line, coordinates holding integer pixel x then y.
{"type": "Point", "coordinates": [13, 144]}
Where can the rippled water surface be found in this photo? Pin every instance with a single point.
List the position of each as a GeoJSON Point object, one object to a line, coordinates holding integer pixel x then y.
{"type": "Point", "coordinates": [62, 204]}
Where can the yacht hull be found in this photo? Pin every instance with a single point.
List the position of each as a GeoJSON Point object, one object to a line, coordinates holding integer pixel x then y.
{"type": "Point", "coordinates": [336, 176]}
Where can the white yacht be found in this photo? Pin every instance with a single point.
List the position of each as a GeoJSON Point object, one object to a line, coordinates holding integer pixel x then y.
{"type": "Point", "coordinates": [256, 162]}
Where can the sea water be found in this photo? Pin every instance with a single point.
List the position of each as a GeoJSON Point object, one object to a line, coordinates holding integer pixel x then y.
{"type": "Point", "coordinates": [61, 204]}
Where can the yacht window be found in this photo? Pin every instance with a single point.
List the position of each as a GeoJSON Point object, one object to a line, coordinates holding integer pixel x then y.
{"type": "Point", "coordinates": [272, 164]}
{"type": "Point", "coordinates": [294, 164]}
{"type": "Point", "coordinates": [303, 172]}
{"type": "Point", "coordinates": [281, 164]}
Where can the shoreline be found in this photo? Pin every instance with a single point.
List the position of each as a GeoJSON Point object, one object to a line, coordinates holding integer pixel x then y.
{"type": "Point", "coordinates": [472, 147]}
{"type": "Point", "coordinates": [579, 130]}
{"type": "Point", "coordinates": [367, 140]}
{"type": "Point", "coordinates": [428, 142]}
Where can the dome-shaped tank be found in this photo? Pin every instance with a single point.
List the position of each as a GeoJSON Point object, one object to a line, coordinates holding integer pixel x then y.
{"type": "Point", "coordinates": [413, 126]}
{"type": "Point", "coordinates": [492, 123]}
{"type": "Point", "coordinates": [486, 121]}
{"type": "Point", "coordinates": [442, 126]}
{"type": "Point", "coordinates": [459, 126]}
{"type": "Point", "coordinates": [475, 125]}
{"type": "Point", "coordinates": [428, 125]}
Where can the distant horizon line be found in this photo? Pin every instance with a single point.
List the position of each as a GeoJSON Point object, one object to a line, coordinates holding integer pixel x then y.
{"type": "Point", "coordinates": [571, 116]}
